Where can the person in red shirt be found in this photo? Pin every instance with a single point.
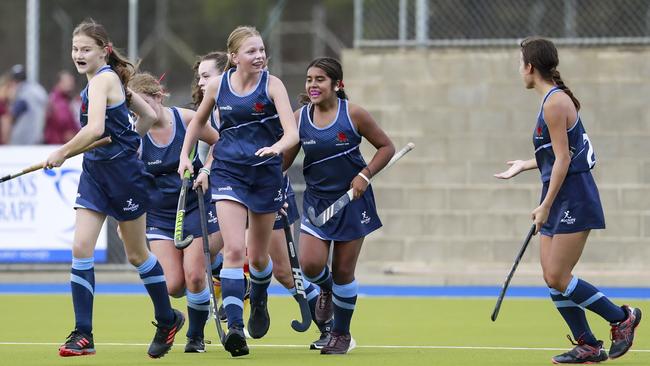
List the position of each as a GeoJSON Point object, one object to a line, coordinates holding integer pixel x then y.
{"type": "Point", "coordinates": [61, 123]}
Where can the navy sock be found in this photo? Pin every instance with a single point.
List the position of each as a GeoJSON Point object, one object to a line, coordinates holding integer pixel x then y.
{"type": "Point", "coordinates": [587, 296]}
{"type": "Point", "coordinates": [82, 285]}
{"type": "Point", "coordinates": [323, 280]}
{"type": "Point", "coordinates": [232, 292]}
{"type": "Point", "coordinates": [216, 265]}
{"type": "Point", "coordinates": [152, 276]}
{"type": "Point", "coordinates": [574, 316]}
{"type": "Point", "coordinates": [198, 310]}
{"type": "Point", "coordinates": [260, 281]}
{"type": "Point", "coordinates": [345, 299]}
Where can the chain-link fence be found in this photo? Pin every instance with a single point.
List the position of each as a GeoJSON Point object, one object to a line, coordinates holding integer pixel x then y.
{"type": "Point", "coordinates": [431, 23]}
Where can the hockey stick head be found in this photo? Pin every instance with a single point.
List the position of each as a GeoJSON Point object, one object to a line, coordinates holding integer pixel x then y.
{"type": "Point", "coordinates": [304, 313]}
{"type": "Point", "coordinates": [184, 243]}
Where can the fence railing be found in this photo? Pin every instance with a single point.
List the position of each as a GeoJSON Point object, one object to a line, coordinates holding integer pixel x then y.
{"type": "Point", "coordinates": [439, 23]}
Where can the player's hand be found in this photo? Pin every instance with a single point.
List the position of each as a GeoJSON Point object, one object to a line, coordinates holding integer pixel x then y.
{"type": "Point", "coordinates": [183, 165]}
{"type": "Point", "coordinates": [516, 167]}
{"type": "Point", "coordinates": [539, 216]}
{"type": "Point", "coordinates": [359, 186]}
{"type": "Point", "coordinates": [283, 209]}
{"type": "Point", "coordinates": [55, 159]}
{"type": "Point", "coordinates": [203, 180]}
{"type": "Point", "coordinates": [267, 151]}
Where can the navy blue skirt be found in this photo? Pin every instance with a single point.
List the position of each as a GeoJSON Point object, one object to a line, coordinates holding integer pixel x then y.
{"type": "Point", "coordinates": [576, 207]}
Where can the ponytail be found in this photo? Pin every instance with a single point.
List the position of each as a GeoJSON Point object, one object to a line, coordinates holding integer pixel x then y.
{"type": "Point", "coordinates": [557, 79]}
{"type": "Point", "coordinates": [122, 67]}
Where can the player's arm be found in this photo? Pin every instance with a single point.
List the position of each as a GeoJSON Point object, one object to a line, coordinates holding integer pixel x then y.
{"type": "Point", "coordinates": [516, 167]}
{"type": "Point", "coordinates": [197, 124]}
{"type": "Point", "coordinates": [555, 115]}
{"type": "Point", "coordinates": [279, 96]}
{"type": "Point", "coordinates": [146, 115]}
{"type": "Point", "coordinates": [98, 89]}
{"type": "Point", "coordinates": [290, 155]}
{"type": "Point", "coordinates": [370, 130]}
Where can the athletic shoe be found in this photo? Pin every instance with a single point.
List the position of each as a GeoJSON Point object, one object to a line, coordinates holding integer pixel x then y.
{"type": "Point", "coordinates": [622, 333]}
{"type": "Point", "coordinates": [235, 342]}
{"type": "Point", "coordinates": [324, 310]}
{"type": "Point", "coordinates": [77, 344]}
{"type": "Point", "coordinates": [195, 345]}
{"type": "Point", "coordinates": [338, 344]}
{"type": "Point", "coordinates": [582, 353]}
{"type": "Point", "coordinates": [259, 320]}
{"type": "Point", "coordinates": [324, 336]}
{"type": "Point", "coordinates": [164, 337]}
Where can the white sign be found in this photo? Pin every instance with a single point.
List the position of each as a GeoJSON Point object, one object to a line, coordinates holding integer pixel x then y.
{"type": "Point", "coordinates": [37, 218]}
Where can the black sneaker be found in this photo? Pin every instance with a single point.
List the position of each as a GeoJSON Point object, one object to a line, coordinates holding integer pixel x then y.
{"type": "Point", "coordinates": [582, 353]}
{"type": "Point", "coordinates": [164, 337]}
{"type": "Point", "coordinates": [235, 342]}
{"type": "Point", "coordinates": [195, 345]}
{"type": "Point", "coordinates": [259, 319]}
{"type": "Point", "coordinates": [324, 309]}
{"type": "Point", "coordinates": [324, 336]}
{"type": "Point", "coordinates": [622, 333]}
{"type": "Point", "coordinates": [77, 344]}
{"type": "Point", "coordinates": [338, 344]}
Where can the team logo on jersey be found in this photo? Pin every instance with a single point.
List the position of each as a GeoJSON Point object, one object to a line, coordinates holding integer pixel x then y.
{"type": "Point", "coordinates": [84, 107]}
{"type": "Point", "coordinates": [226, 188]}
{"type": "Point", "coordinates": [309, 142]}
{"type": "Point", "coordinates": [279, 197]}
{"type": "Point", "coordinates": [130, 206]}
{"type": "Point", "coordinates": [568, 219]}
{"type": "Point", "coordinates": [365, 218]}
{"type": "Point", "coordinates": [212, 218]}
{"type": "Point", "coordinates": [258, 107]}
{"type": "Point", "coordinates": [342, 139]}
{"type": "Point", "coordinates": [155, 162]}
{"type": "Point", "coordinates": [538, 133]}
{"type": "Point", "coordinates": [226, 108]}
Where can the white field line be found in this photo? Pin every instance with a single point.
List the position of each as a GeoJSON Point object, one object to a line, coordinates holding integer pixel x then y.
{"type": "Point", "coordinates": [424, 347]}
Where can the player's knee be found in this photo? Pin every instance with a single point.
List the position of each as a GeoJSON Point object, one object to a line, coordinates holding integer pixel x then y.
{"type": "Point", "coordinates": [136, 258]}
{"type": "Point", "coordinates": [283, 276]}
{"type": "Point", "coordinates": [176, 290]}
{"type": "Point", "coordinates": [195, 281]}
{"type": "Point", "coordinates": [555, 280]}
{"type": "Point", "coordinates": [343, 276]}
{"type": "Point", "coordinates": [235, 255]}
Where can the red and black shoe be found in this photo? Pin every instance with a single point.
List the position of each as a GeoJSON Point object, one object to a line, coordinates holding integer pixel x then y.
{"type": "Point", "coordinates": [622, 333]}
{"type": "Point", "coordinates": [77, 344]}
{"type": "Point", "coordinates": [164, 338]}
{"type": "Point", "coordinates": [582, 353]}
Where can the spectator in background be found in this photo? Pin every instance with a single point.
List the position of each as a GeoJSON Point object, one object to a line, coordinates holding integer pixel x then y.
{"type": "Point", "coordinates": [6, 96]}
{"type": "Point", "coordinates": [61, 123]}
{"type": "Point", "coordinates": [26, 117]}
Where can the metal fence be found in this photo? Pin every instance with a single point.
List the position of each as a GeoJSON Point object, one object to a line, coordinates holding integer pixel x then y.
{"type": "Point", "coordinates": [436, 23]}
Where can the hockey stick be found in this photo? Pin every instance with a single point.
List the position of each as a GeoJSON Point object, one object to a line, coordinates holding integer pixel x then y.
{"type": "Point", "coordinates": [298, 282]}
{"type": "Point", "coordinates": [214, 302]}
{"type": "Point", "coordinates": [179, 242]}
{"type": "Point", "coordinates": [497, 307]}
{"type": "Point", "coordinates": [343, 201]}
{"type": "Point", "coordinates": [101, 142]}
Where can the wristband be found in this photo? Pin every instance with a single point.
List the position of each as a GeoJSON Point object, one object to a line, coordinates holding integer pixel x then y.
{"type": "Point", "coordinates": [205, 170]}
{"type": "Point", "coordinates": [364, 177]}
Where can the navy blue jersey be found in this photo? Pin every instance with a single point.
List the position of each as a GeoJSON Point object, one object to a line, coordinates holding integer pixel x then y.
{"type": "Point", "coordinates": [332, 155]}
{"type": "Point", "coordinates": [247, 123]}
{"type": "Point", "coordinates": [580, 148]}
{"type": "Point", "coordinates": [161, 161]}
{"type": "Point", "coordinates": [117, 125]}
